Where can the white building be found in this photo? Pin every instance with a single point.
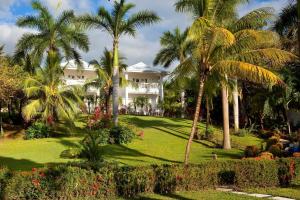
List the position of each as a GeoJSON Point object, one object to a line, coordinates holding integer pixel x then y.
{"type": "Point", "coordinates": [143, 80]}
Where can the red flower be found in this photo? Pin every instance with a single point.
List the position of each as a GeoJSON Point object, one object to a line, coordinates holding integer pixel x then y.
{"type": "Point", "coordinates": [36, 182]}
{"type": "Point", "coordinates": [34, 169]}
{"type": "Point", "coordinates": [42, 174]}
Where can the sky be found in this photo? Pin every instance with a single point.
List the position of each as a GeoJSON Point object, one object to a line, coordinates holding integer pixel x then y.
{"type": "Point", "coordinates": [142, 48]}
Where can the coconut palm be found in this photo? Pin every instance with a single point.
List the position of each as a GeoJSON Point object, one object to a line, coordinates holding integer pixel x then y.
{"type": "Point", "coordinates": [241, 54]}
{"type": "Point", "coordinates": [49, 98]}
{"type": "Point", "coordinates": [174, 48]}
{"type": "Point", "coordinates": [104, 71]}
{"type": "Point", "coordinates": [59, 34]}
{"type": "Point", "coordinates": [287, 27]}
{"type": "Point", "coordinates": [116, 23]}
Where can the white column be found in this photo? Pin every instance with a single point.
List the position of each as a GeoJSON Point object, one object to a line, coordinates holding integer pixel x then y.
{"type": "Point", "coordinates": [126, 91]}
{"type": "Point", "coordinates": [161, 92]}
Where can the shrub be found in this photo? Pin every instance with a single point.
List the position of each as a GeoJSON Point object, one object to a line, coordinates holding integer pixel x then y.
{"type": "Point", "coordinates": [92, 145]}
{"type": "Point", "coordinates": [36, 131]}
{"type": "Point", "coordinates": [266, 156]}
{"type": "Point", "coordinates": [209, 134]}
{"type": "Point", "coordinates": [272, 141]}
{"type": "Point", "coordinates": [132, 181]}
{"type": "Point", "coordinates": [121, 135]}
{"type": "Point", "coordinates": [252, 173]}
{"type": "Point", "coordinates": [276, 150]}
{"type": "Point", "coordinates": [165, 179]}
{"type": "Point", "coordinates": [71, 153]}
{"type": "Point", "coordinates": [4, 176]}
{"type": "Point", "coordinates": [286, 171]}
{"type": "Point", "coordinates": [251, 151]}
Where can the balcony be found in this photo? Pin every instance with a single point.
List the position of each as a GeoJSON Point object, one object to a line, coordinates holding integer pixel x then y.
{"type": "Point", "coordinates": [74, 81]}
{"type": "Point", "coordinates": [144, 88]}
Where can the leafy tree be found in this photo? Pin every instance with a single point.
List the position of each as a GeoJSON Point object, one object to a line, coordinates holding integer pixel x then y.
{"type": "Point", "coordinates": [116, 23]}
{"type": "Point", "coordinates": [242, 54]}
{"type": "Point", "coordinates": [61, 35]}
{"type": "Point", "coordinates": [174, 48]}
{"type": "Point", "coordinates": [103, 81]}
{"type": "Point", "coordinates": [141, 101]}
{"type": "Point", "coordinates": [49, 98]}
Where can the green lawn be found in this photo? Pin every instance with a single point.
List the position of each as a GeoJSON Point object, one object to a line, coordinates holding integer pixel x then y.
{"type": "Point", "coordinates": [164, 142]}
{"type": "Point", "coordinates": [291, 192]}
{"type": "Point", "coordinates": [203, 195]}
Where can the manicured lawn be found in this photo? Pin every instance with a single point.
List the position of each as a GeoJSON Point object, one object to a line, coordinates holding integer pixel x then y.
{"type": "Point", "coordinates": [203, 195]}
{"type": "Point", "coordinates": [164, 142]}
{"type": "Point", "coordinates": [292, 192]}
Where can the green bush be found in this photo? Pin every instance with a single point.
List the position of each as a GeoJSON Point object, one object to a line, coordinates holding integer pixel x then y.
{"type": "Point", "coordinates": [4, 176]}
{"type": "Point", "coordinates": [251, 151]}
{"type": "Point", "coordinates": [242, 133]}
{"type": "Point", "coordinates": [92, 145]}
{"type": "Point", "coordinates": [121, 135]}
{"type": "Point", "coordinates": [36, 131]}
{"type": "Point", "coordinates": [275, 149]}
{"type": "Point", "coordinates": [110, 181]}
{"type": "Point", "coordinates": [132, 181]}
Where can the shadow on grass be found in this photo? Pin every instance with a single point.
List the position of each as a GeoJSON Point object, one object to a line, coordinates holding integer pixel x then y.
{"type": "Point", "coordinates": [172, 196]}
{"type": "Point", "coordinates": [19, 164]}
{"type": "Point", "coordinates": [121, 151]}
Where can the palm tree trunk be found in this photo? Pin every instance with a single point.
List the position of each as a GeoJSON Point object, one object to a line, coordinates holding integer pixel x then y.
{"type": "Point", "coordinates": [182, 104]}
{"type": "Point", "coordinates": [116, 81]}
{"type": "Point", "coordinates": [226, 134]}
{"type": "Point", "coordinates": [236, 117]}
{"type": "Point", "coordinates": [207, 116]}
{"type": "Point", "coordinates": [195, 122]}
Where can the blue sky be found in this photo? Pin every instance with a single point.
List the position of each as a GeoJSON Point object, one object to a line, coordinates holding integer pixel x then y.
{"type": "Point", "coordinates": [141, 48]}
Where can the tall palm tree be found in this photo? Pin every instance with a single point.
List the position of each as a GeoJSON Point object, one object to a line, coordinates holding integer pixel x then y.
{"type": "Point", "coordinates": [60, 34]}
{"type": "Point", "coordinates": [104, 71]}
{"type": "Point", "coordinates": [286, 26]}
{"type": "Point", "coordinates": [242, 54]}
{"type": "Point", "coordinates": [49, 98]}
{"type": "Point", "coordinates": [174, 48]}
{"type": "Point", "coordinates": [116, 23]}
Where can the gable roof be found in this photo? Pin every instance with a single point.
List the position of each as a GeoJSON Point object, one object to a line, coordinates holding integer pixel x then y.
{"type": "Point", "coordinates": [73, 65]}
{"type": "Point", "coordinates": [142, 67]}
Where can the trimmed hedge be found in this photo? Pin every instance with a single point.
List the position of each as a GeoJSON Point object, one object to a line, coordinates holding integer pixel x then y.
{"type": "Point", "coordinates": [109, 181]}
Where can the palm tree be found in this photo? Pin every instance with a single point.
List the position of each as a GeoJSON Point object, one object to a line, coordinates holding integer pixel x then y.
{"type": "Point", "coordinates": [286, 26]}
{"type": "Point", "coordinates": [116, 23]}
{"type": "Point", "coordinates": [61, 35]}
{"type": "Point", "coordinates": [103, 81]}
{"type": "Point", "coordinates": [174, 48]}
{"type": "Point", "coordinates": [49, 98]}
{"type": "Point", "coordinates": [241, 54]}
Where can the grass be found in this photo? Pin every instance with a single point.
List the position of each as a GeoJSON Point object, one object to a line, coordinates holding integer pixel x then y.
{"type": "Point", "coordinates": [203, 195]}
{"type": "Point", "coordinates": [291, 192]}
{"type": "Point", "coordinates": [164, 142]}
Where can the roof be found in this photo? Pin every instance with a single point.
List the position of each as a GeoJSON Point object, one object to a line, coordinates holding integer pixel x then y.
{"type": "Point", "coordinates": [73, 65]}
{"type": "Point", "coordinates": [142, 67]}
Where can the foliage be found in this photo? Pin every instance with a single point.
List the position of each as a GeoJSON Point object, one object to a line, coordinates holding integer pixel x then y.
{"type": "Point", "coordinates": [54, 34]}
{"type": "Point", "coordinates": [110, 181]}
{"type": "Point", "coordinates": [251, 151]}
{"type": "Point", "coordinates": [49, 98]}
{"type": "Point", "coordinates": [141, 101]}
{"type": "Point", "coordinates": [93, 143]}
{"type": "Point", "coordinates": [242, 132]}
{"type": "Point", "coordinates": [4, 177]}
{"type": "Point", "coordinates": [121, 135]}
{"type": "Point", "coordinates": [36, 131]}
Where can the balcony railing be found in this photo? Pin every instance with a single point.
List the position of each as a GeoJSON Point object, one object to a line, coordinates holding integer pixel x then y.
{"type": "Point", "coordinates": [144, 88]}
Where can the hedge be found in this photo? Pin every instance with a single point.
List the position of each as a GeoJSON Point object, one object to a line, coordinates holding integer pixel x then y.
{"type": "Point", "coordinates": [109, 181]}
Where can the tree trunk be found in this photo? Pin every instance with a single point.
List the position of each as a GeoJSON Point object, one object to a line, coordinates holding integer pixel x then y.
{"type": "Point", "coordinates": [236, 115]}
{"type": "Point", "coordinates": [116, 81]}
{"type": "Point", "coordinates": [195, 122]}
{"type": "Point", "coordinates": [226, 134]}
{"type": "Point", "coordinates": [207, 116]}
{"type": "Point", "coordinates": [182, 104]}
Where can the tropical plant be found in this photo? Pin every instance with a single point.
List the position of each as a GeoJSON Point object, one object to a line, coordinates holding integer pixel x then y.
{"type": "Point", "coordinates": [141, 101]}
{"type": "Point", "coordinates": [61, 35]}
{"type": "Point", "coordinates": [286, 26]}
{"type": "Point", "coordinates": [242, 53]}
{"type": "Point", "coordinates": [116, 23]}
{"type": "Point", "coordinates": [49, 98]}
{"type": "Point", "coordinates": [103, 81]}
{"type": "Point", "coordinates": [174, 48]}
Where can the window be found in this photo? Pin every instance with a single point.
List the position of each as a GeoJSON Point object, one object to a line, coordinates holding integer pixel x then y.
{"type": "Point", "coordinates": [82, 77]}
{"type": "Point", "coordinates": [137, 80]}
{"type": "Point", "coordinates": [133, 79]}
{"type": "Point", "coordinates": [146, 80]}
{"type": "Point", "coordinates": [69, 76]}
{"type": "Point", "coordinates": [73, 77]}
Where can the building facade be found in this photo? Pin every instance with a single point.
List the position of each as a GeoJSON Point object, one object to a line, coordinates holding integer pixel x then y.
{"type": "Point", "coordinates": [142, 80]}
